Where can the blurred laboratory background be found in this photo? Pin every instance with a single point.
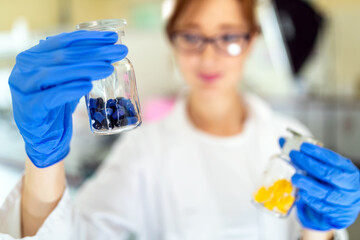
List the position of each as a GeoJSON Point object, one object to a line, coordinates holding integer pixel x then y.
{"type": "Point", "coordinates": [305, 64]}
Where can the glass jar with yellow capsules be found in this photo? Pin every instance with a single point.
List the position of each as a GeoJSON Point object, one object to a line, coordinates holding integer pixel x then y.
{"type": "Point", "coordinates": [275, 192]}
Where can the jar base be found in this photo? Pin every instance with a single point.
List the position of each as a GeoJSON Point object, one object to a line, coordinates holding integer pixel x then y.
{"type": "Point", "coordinates": [272, 213]}
{"type": "Point", "coordinates": [117, 130]}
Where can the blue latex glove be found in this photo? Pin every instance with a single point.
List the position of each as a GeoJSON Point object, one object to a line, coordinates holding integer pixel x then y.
{"type": "Point", "coordinates": [329, 194]}
{"type": "Point", "coordinates": [47, 82]}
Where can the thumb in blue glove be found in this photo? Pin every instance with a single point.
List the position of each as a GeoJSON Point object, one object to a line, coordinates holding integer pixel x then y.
{"type": "Point", "coordinates": [329, 195]}
{"type": "Point", "coordinates": [47, 82]}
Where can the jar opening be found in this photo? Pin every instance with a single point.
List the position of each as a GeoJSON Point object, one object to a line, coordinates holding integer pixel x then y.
{"type": "Point", "coordinates": [104, 24]}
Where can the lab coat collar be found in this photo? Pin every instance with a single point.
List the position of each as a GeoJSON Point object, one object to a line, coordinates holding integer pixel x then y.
{"type": "Point", "coordinates": [259, 112]}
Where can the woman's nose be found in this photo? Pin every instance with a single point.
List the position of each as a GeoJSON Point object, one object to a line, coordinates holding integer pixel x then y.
{"type": "Point", "coordinates": [209, 55]}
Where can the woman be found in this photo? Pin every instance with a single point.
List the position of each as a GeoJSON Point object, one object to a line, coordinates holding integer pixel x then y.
{"type": "Point", "coordinates": [190, 176]}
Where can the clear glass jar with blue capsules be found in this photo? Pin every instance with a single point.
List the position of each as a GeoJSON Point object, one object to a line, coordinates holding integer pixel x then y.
{"type": "Point", "coordinates": [113, 103]}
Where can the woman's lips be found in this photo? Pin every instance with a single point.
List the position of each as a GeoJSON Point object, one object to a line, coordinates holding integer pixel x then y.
{"type": "Point", "coordinates": [209, 77]}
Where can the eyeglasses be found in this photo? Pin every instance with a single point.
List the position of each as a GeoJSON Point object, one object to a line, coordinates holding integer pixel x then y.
{"type": "Point", "coordinates": [228, 44]}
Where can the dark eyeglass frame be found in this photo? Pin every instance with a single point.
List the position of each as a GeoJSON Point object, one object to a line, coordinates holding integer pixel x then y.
{"type": "Point", "coordinates": [216, 40]}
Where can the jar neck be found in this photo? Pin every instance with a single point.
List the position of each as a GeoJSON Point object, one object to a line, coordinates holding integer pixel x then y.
{"type": "Point", "coordinates": [119, 32]}
{"type": "Point", "coordinates": [114, 25]}
{"type": "Point", "coordinates": [284, 156]}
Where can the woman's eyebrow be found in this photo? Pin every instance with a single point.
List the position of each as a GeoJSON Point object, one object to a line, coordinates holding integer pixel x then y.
{"type": "Point", "coordinates": [232, 27]}
{"type": "Point", "coordinates": [191, 25]}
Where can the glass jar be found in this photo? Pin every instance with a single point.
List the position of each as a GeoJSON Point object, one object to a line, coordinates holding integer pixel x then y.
{"type": "Point", "coordinates": [275, 192]}
{"type": "Point", "coordinates": [113, 103]}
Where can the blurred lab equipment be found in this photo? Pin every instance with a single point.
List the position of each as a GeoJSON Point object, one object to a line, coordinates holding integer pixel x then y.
{"type": "Point", "coordinates": [290, 30]}
{"type": "Point", "coordinates": [300, 26]}
{"type": "Point", "coordinates": [113, 103]}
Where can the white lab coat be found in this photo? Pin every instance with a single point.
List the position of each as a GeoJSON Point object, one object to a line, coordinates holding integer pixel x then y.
{"type": "Point", "coordinates": [170, 181]}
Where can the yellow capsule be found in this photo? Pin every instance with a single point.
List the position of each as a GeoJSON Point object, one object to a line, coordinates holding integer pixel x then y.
{"type": "Point", "coordinates": [279, 184]}
{"type": "Point", "coordinates": [282, 211]}
{"type": "Point", "coordinates": [285, 203]}
{"type": "Point", "coordinates": [277, 194]}
{"type": "Point", "coordinates": [271, 204]}
{"type": "Point", "coordinates": [262, 195]}
{"type": "Point", "coordinates": [277, 197]}
{"type": "Point", "coordinates": [288, 188]}
{"type": "Point", "coordinates": [282, 186]}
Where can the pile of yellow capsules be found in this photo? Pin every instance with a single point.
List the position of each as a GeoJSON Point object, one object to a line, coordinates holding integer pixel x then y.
{"type": "Point", "coordinates": [277, 197]}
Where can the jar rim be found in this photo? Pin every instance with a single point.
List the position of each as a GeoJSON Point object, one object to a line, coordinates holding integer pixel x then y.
{"type": "Point", "coordinates": [102, 24]}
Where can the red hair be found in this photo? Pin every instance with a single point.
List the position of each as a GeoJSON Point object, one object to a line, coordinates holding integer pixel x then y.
{"type": "Point", "coordinates": [248, 8]}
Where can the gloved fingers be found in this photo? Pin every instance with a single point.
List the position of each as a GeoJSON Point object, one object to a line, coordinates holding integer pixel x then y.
{"type": "Point", "coordinates": [29, 61]}
{"type": "Point", "coordinates": [110, 53]}
{"type": "Point", "coordinates": [50, 130]}
{"type": "Point", "coordinates": [311, 186]}
{"type": "Point", "coordinates": [76, 38]}
{"type": "Point", "coordinates": [310, 218]}
{"type": "Point", "coordinates": [325, 214]}
{"type": "Point", "coordinates": [73, 105]}
{"type": "Point", "coordinates": [322, 206]}
{"type": "Point", "coordinates": [61, 94]}
{"type": "Point", "coordinates": [342, 220]}
{"type": "Point", "coordinates": [344, 197]}
{"type": "Point", "coordinates": [46, 131]}
{"type": "Point", "coordinates": [327, 156]}
{"type": "Point", "coordinates": [322, 190]}
{"type": "Point", "coordinates": [37, 106]}
{"type": "Point", "coordinates": [325, 172]}
{"type": "Point", "coordinates": [49, 77]}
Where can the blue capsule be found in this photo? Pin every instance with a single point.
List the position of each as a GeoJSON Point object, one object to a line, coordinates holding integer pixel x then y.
{"type": "Point", "coordinates": [100, 103]}
{"type": "Point", "coordinates": [119, 113]}
{"type": "Point", "coordinates": [98, 116]}
{"type": "Point", "coordinates": [109, 111]}
{"type": "Point", "coordinates": [111, 103]}
{"type": "Point", "coordinates": [97, 125]}
{"type": "Point", "coordinates": [132, 120]}
{"type": "Point", "coordinates": [122, 101]}
{"type": "Point", "coordinates": [92, 103]}
{"type": "Point", "coordinates": [121, 122]}
{"type": "Point", "coordinates": [118, 106]}
{"type": "Point", "coordinates": [92, 112]}
{"type": "Point", "coordinates": [130, 109]}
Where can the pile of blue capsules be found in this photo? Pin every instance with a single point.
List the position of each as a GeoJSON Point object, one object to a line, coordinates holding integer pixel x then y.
{"type": "Point", "coordinates": [117, 112]}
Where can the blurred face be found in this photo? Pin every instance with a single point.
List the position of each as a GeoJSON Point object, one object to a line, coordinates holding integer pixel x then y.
{"type": "Point", "coordinates": [211, 44]}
